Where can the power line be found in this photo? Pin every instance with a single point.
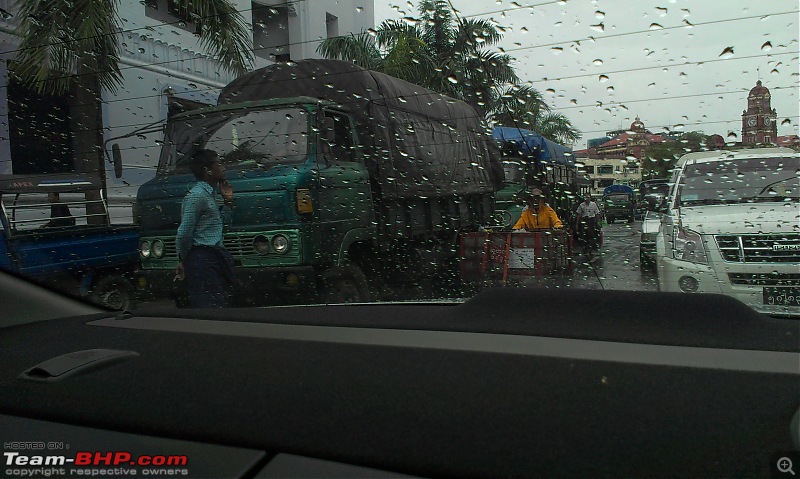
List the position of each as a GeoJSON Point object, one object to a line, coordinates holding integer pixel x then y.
{"type": "Point", "coordinates": [516, 49]}
{"type": "Point", "coordinates": [662, 29]}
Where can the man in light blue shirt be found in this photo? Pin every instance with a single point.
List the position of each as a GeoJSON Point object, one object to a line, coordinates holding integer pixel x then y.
{"type": "Point", "coordinates": [204, 262]}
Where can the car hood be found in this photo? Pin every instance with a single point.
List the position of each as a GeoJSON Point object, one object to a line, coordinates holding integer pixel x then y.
{"type": "Point", "coordinates": [746, 218]}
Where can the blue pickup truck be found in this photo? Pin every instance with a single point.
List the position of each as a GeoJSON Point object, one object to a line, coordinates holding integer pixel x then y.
{"type": "Point", "coordinates": [52, 234]}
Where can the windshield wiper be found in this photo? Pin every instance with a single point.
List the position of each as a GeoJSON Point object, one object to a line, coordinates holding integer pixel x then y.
{"type": "Point", "coordinates": [776, 183]}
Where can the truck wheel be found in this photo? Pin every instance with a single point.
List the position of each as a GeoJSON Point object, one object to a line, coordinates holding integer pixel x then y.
{"type": "Point", "coordinates": [114, 292]}
{"type": "Point", "coordinates": [344, 285]}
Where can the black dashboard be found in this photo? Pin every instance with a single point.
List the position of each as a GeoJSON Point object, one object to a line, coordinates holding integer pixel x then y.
{"type": "Point", "coordinates": [512, 383]}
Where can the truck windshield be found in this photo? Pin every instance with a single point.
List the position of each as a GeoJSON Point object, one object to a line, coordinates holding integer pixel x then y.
{"type": "Point", "coordinates": [243, 139]}
{"type": "Point", "coordinates": [757, 179]}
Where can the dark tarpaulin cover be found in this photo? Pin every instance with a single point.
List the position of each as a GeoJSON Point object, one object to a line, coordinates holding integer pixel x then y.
{"type": "Point", "coordinates": [417, 142]}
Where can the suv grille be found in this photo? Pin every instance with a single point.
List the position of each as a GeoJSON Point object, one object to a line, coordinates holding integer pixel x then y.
{"type": "Point", "coordinates": [760, 248]}
{"type": "Point", "coordinates": [765, 279]}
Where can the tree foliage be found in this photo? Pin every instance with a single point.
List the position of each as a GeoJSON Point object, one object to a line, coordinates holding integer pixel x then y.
{"type": "Point", "coordinates": [64, 40]}
{"type": "Point", "coordinates": [661, 158]}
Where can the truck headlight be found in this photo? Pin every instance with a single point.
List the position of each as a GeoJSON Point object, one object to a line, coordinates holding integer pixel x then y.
{"type": "Point", "coordinates": [261, 244]}
{"type": "Point", "coordinates": [688, 246]}
{"type": "Point", "coordinates": [157, 248]}
{"type": "Point", "coordinates": [144, 249]}
{"type": "Point", "coordinates": [280, 244]}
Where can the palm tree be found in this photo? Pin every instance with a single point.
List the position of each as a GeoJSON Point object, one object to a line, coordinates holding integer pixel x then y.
{"type": "Point", "coordinates": [70, 47]}
{"type": "Point", "coordinates": [524, 107]}
{"type": "Point", "coordinates": [438, 51]}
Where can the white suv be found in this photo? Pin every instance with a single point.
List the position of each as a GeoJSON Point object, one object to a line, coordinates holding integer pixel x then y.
{"type": "Point", "coordinates": [732, 226]}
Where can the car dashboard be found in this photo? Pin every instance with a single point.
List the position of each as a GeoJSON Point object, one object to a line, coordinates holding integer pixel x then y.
{"type": "Point", "coordinates": [518, 383]}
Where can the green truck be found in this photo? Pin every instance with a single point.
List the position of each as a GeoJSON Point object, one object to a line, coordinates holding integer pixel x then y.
{"type": "Point", "coordinates": [345, 180]}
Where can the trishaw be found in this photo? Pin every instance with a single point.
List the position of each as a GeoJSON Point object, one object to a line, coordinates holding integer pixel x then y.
{"type": "Point", "coordinates": [505, 258]}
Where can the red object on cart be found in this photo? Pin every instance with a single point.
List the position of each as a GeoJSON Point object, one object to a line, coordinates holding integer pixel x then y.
{"type": "Point", "coordinates": [503, 257]}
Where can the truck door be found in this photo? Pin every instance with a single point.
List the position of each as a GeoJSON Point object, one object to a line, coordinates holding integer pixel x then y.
{"type": "Point", "coordinates": [345, 200]}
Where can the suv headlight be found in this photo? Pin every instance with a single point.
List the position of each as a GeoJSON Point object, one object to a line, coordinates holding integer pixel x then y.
{"type": "Point", "coordinates": [687, 245]}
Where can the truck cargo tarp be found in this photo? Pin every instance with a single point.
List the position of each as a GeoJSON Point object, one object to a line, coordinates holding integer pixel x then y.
{"type": "Point", "coordinates": [417, 142]}
{"type": "Point", "coordinates": [535, 144]}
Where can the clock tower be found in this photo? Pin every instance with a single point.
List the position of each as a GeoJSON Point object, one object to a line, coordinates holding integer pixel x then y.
{"type": "Point", "coordinates": [758, 121]}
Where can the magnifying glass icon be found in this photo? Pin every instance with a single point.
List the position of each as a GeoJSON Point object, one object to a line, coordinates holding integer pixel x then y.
{"type": "Point", "coordinates": [785, 465]}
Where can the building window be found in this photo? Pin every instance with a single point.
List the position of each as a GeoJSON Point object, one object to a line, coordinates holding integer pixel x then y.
{"type": "Point", "coordinates": [605, 170]}
{"type": "Point", "coordinates": [40, 133]}
{"type": "Point", "coordinates": [172, 12]}
{"type": "Point", "coordinates": [332, 25]}
{"type": "Point", "coordinates": [271, 32]}
{"type": "Point", "coordinates": [767, 139]}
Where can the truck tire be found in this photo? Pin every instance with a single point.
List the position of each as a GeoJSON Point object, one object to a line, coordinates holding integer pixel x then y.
{"type": "Point", "coordinates": [344, 285]}
{"type": "Point", "coordinates": [114, 292]}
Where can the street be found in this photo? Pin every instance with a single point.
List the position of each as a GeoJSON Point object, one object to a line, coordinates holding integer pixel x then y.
{"type": "Point", "coordinates": [616, 266]}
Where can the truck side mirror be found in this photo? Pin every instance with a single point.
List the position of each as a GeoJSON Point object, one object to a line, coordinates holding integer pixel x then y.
{"type": "Point", "coordinates": [117, 155]}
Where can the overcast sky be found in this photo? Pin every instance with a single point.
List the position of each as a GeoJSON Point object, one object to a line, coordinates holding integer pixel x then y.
{"type": "Point", "coordinates": [677, 64]}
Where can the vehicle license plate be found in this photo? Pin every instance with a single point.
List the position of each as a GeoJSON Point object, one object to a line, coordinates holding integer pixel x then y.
{"type": "Point", "coordinates": [782, 296]}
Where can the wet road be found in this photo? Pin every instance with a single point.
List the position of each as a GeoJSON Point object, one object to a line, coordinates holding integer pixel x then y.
{"type": "Point", "coordinates": [616, 265]}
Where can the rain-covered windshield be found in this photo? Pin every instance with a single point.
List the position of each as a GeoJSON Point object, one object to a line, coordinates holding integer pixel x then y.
{"type": "Point", "coordinates": [242, 139]}
{"type": "Point", "coordinates": [761, 179]}
{"type": "Point", "coordinates": [377, 151]}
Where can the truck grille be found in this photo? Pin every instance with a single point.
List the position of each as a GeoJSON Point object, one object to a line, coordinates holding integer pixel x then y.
{"type": "Point", "coordinates": [760, 248]}
{"type": "Point", "coordinates": [240, 245]}
{"type": "Point", "coordinates": [764, 279]}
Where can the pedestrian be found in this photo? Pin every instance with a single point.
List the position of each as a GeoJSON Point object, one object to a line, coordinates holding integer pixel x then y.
{"type": "Point", "coordinates": [586, 219]}
{"type": "Point", "coordinates": [204, 263]}
{"type": "Point", "coordinates": [59, 213]}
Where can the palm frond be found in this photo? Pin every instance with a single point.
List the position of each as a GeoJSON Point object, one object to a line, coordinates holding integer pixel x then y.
{"type": "Point", "coordinates": [224, 33]}
{"type": "Point", "coordinates": [360, 49]}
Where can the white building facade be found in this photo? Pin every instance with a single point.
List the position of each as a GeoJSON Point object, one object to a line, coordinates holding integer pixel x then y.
{"type": "Point", "coordinates": [165, 71]}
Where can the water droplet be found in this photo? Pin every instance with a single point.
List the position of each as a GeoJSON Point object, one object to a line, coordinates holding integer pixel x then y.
{"type": "Point", "coordinates": [600, 15]}
{"type": "Point", "coordinates": [603, 78]}
{"type": "Point", "coordinates": [662, 11]}
{"type": "Point", "coordinates": [359, 9]}
{"type": "Point", "coordinates": [598, 61]}
{"type": "Point", "coordinates": [727, 52]}
{"type": "Point", "coordinates": [141, 50]}
{"type": "Point", "coordinates": [774, 71]}
{"type": "Point", "coordinates": [523, 30]}
{"type": "Point", "coordinates": [550, 91]}
{"type": "Point", "coordinates": [599, 27]}
{"type": "Point", "coordinates": [610, 89]}
{"type": "Point", "coordinates": [655, 26]}
{"type": "Point", "coordinates": [452, 79]}
{"type": "Point", "coordinates": [557, 50]}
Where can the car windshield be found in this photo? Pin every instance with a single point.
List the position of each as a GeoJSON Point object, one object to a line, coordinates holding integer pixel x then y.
{"type": "Point", "coordinates": [762, 179]}
{"type": "Point", "coordinates": [362, 151]}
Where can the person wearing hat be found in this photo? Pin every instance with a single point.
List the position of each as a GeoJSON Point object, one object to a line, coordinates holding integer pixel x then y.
{"type": "Point", "coordinates": [538, 214]}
